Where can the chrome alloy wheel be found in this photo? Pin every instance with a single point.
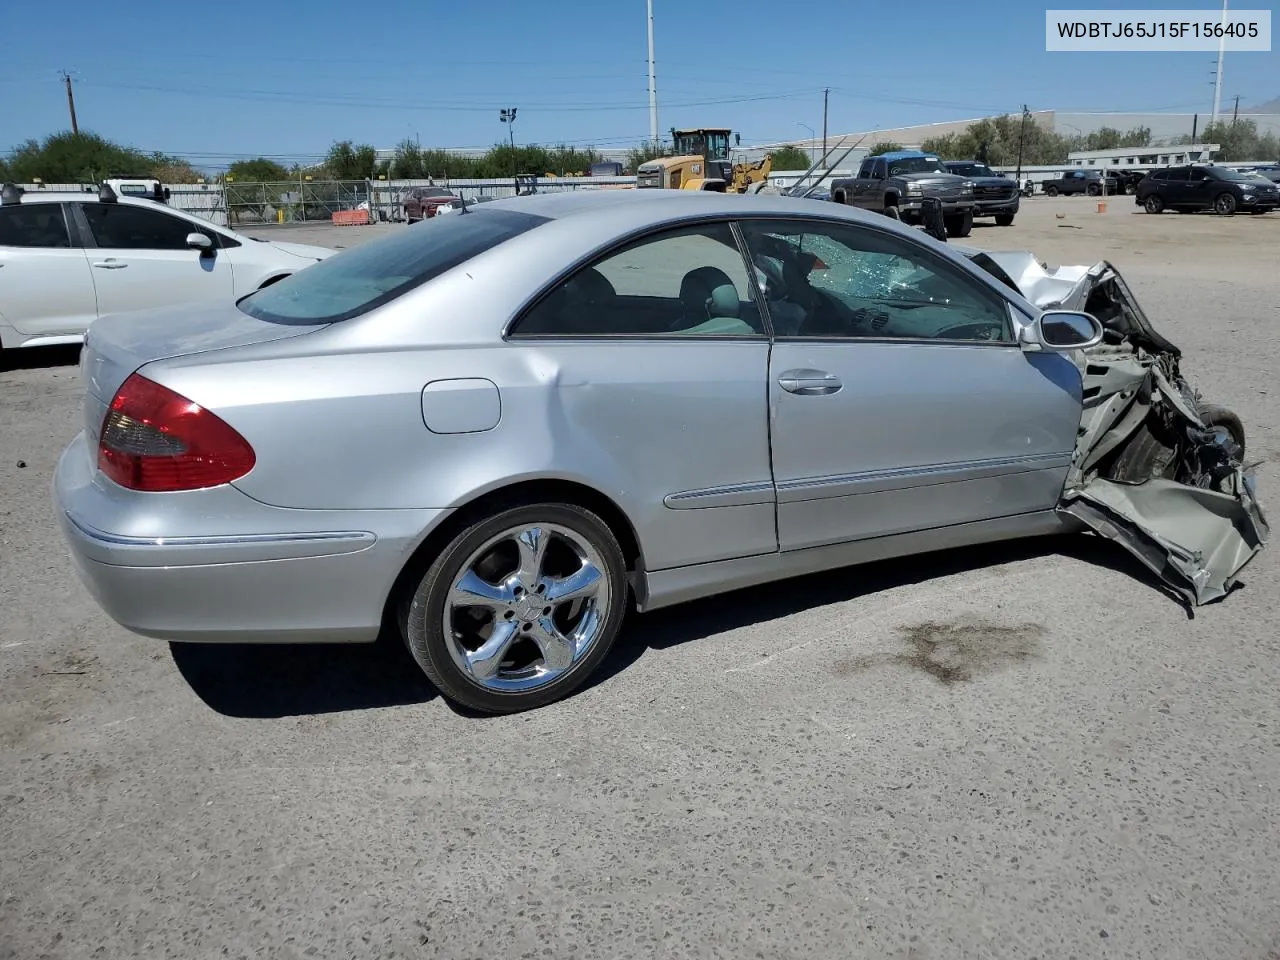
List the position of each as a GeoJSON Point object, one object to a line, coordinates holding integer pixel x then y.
{"type": "Point", "coordinates": [527, 606]}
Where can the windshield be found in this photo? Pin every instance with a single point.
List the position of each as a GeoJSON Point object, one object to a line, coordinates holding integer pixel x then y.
{"type": "Point", "coordinates": [1220, 174]}
{"type": "Point", "coordinates": [971, 170]}
{"type": "Point", "coordinates": [916, 165]}
{"type": "Point", "coordinates": [362, 278]}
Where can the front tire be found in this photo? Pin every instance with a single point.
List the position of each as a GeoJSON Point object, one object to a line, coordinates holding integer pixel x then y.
{"type": "Point", "coordinates": [1220, 418]}
{"type": "Point", "coordinates": [520, 608]}
{"type": "Point", "coordinates": [892, 212]}
{"type": "Point", "coordinates": [1004, 219]}
{"type": "Point", "coordinates": [1224, 204]}
{"type": "Point", "coordinates": [1153, 204]}
{"type": "Point", "coordinates": [960, 226]}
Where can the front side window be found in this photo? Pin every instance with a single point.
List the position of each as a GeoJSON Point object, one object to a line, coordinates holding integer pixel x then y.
{"type": "Point", "coordinates": [840, 281]}
{"type": "Point", "coordinates": [689, 281]}
{"type": "Point", "coordinates": [34, 225]}
{"type": "Point", "coordinates": [119, 226]}
{"type": "Point", "coordinates": [357, 280]}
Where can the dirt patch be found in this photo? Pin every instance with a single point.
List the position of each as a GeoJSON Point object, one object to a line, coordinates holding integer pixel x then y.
{"type": "Point", "coordinates": [954, 652]}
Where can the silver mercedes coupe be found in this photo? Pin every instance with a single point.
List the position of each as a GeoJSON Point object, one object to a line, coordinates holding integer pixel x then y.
{"type": "Point", "coordinates": [498, 430]}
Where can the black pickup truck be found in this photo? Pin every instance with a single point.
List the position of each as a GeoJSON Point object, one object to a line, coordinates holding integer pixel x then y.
{"type": "Point", "coordinates": [993, 195]}
{"type": "Point", "coordinates": [896, 184]}
{"type": "Point", "coordinates": [1083, 182]}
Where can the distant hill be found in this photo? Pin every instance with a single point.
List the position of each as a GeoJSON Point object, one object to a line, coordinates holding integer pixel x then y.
{"type": "Point", "coordinates": [1271, 106]}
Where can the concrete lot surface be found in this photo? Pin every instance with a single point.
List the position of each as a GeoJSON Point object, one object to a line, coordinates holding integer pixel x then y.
{"type": "Point", "coordinates": [1020, 751]}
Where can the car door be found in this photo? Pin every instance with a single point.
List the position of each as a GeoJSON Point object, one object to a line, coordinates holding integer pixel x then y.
{"type": "Point", "coordinates": [1197, 188]}
{"type": "Point", "coordinates": [866, 184]}
{"type": "Point", "coordinates": [1174, 187]}
{"type": "Point", "coordinates": [899, 398]}
{"type": "Point", "coordinates": [140, 258]}
{"type": "Point", "coordinates": [662, 353]}
{"type": "Point", "coordinates": [45, 285]}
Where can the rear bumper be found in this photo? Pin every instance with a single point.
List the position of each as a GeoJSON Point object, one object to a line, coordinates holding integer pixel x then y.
{"type": "Point", "coordinates": [217, 566]}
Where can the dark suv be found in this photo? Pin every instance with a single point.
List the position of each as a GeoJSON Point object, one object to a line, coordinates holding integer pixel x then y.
{"type": "Point", "coordinates": [1205, 188]}
{"type": "Point", "coordinates": [994, 195]}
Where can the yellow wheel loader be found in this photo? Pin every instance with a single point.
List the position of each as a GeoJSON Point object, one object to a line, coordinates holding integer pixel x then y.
{"type": "Point", "coordinates": [701, 162]}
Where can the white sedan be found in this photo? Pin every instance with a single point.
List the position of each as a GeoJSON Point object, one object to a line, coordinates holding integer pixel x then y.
{"type": "Point", "coordinates": [68, 258]}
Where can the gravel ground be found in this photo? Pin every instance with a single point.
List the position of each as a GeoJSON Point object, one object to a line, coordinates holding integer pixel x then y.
{"type": "Point", "coordinates": [786, 772]}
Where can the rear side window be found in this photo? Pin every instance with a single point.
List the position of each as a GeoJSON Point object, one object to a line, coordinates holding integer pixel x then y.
{"type": "Point", "coordinates": [33, 225]}
{"type": "Point", "coordinates": [126, 227]}
{"type": "Point", "coordinates": [364, 277]}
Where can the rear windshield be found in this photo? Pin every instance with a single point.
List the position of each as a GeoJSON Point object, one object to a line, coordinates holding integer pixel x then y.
{"type": "Point", "coordinates": [362, 278]}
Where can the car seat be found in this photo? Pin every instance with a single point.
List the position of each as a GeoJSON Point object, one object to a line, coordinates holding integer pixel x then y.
{"type": "Point", "coordinates": [709, 304]}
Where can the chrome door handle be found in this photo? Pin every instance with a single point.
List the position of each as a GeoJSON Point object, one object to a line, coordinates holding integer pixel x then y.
{"type": "Point", "coordinates": [810, 383]}
{"type": "Point", "coordinates": [110, 265]}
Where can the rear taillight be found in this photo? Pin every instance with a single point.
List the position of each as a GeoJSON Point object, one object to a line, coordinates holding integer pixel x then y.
{"type": "Point", "coordinates": [156, 440]}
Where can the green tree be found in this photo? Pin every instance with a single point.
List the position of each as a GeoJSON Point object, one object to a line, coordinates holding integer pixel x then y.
{"type": "Point", "coordinates": [1239, 140]}
{"type": "Point", "coordinates": [78, 158]}
{"type": "Point", "coordinates": [347, 161]}
{"type": "Point", "coordinates": [884, 146]}
{"type": "Point", "coordinates": [260, 170]}
{"type": "Point", "coordinates": [169, 170]}
{"type": "Point", "coordinates": [792, 157]}
{"type": "Point", "coordinates": [643, 154]}
{"type": "Point", "coordinates": [1001, 135]}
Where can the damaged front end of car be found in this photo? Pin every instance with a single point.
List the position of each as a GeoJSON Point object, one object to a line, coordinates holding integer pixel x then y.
{"type": "Point", "coordinates": [1156, 468]}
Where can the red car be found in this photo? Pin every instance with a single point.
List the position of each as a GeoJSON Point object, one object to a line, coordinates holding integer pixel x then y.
{"type": "Point", "coordinates": [421, 203]}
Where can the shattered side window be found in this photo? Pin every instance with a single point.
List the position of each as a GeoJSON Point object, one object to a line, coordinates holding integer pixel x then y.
{"type": "Point", "coordinates": [835, 280]}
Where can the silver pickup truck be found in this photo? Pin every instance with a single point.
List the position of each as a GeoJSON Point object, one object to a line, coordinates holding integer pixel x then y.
{"type": "Point", "coordinates": [896, 184]}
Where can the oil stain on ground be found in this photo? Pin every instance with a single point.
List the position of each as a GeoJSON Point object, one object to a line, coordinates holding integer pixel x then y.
{"type": "Point", "coordinates": [954, 652]}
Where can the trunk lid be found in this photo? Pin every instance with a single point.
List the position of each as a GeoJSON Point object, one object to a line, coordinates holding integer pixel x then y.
{"type": "Point", "coordinates": [118, 344]}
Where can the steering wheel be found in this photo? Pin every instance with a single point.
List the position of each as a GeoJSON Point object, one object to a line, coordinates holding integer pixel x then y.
{"type": "Point", "coordinates": [984, 330]}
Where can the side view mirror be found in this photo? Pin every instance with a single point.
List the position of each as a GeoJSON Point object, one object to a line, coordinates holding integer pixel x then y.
{"type": "Point", "coordinates": [198, 241]}
{"type": "Point", "coordinates": [167, 194]}
{"type": "Point", "coordinates": [1061, 331]}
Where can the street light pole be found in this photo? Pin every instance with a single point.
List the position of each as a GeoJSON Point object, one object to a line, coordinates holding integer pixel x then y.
{"type": "Point", "coordinates": [508, 116]}
{"type": "Point", "coordinates": [1022, 134]}
{"type": "Point", "coordinates": [812, 137]}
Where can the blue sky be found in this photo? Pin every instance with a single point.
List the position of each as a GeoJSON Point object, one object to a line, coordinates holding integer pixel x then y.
{"type": "Point", "coordinates": [235, 78]}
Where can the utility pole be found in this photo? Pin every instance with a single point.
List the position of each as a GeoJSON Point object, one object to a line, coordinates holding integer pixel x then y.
{"type": "Point", "coordinates": [653, 86]}
{"type": "Point", "coordinates": [1235, 111]}
{"type": "Point", "coordinates": [825, 94]}
{"type": "Point", "coordinates": [1222, 51]}
{"type": "Point", "coordinates": [71, 103]}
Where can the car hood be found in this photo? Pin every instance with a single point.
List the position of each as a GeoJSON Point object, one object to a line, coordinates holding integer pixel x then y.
{"type": "Point", "coordinates": [931, 177]}
{"type": "Point", "coordinates": [306, 251]}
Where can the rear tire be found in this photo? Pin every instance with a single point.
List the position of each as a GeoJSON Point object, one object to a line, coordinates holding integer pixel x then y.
{"type": "Point", "coordinates": [961, 226]}
{"type": "Point", "coordinates": [1004, 219]}
{"type": "Point", "coordinates": [1050, 191]}
{"type": "Point", "coordinates": [1153, 204]}
{"type": "Point", "coordinates": [540, 656]}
